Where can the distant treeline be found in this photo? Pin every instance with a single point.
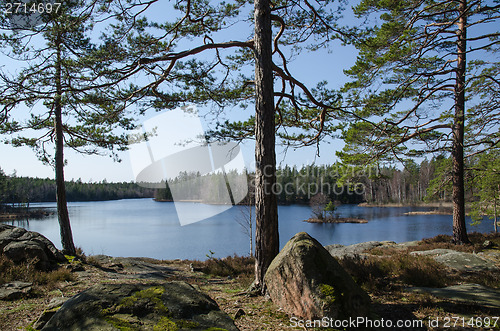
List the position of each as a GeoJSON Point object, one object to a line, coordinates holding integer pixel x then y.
{"type": "Point", "coordinates": [413, 183]}
{"type": "Point", "coordinates": [346, 184]}
{"type": "Point", "coordinates": [430, 181]}
{"type": "Point", "coordinates": [300, 185]}
{"type": "Point", "coordinates": [15, 190]}
{"type": "Point", "coordinates": [293, 186]}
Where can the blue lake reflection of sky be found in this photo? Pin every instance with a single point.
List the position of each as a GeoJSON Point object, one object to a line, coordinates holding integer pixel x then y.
{"type": "Point", "coordinates": [142, 227]}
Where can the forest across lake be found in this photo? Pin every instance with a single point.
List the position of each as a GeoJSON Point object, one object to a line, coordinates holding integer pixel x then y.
{"type": "Point", "coordinates": [412, 185]}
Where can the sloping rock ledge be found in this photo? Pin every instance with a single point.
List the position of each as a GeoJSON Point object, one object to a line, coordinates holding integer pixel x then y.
{"type": "Point", "coordinates": [153, 306]}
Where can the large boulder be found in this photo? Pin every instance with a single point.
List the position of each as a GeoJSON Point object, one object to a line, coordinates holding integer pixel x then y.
{"type": "Point", "coordinates": [306, 281]}
{"type": "Point", "coordinates": [21, 245]}
{"type": "Point", "coordinates": [151, 306]}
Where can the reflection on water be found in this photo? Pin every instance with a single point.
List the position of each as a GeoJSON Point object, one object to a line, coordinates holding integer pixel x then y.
{"type": "Point", "coordinates": [143, 227]}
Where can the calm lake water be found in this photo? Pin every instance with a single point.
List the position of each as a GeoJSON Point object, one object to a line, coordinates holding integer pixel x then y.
{"type": "Point", "coordinates": [143, 227]}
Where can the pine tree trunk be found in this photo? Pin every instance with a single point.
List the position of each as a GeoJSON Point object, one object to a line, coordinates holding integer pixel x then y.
{"type": "Point", "coordinates": [62, 206]}
{"type": "Point", "coordinates": [266, 209]}
{"type": "Point", "coordinates": [496, 213]}
{"type": "Point", "coordinates": [250, 205]}
{"type": "Point", "coordinates": [458, 194]}
{"type": "Point", "coordinates": [251, 230]}
{"type": "Point", "coordinates": [495, 217]}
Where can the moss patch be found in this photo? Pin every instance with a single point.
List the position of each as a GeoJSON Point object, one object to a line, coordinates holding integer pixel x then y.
{"type": "Point", "coordinates": [140, 300]}
{"type": "Point", "coordinates": [70, 258]}
{"type": "Point", "coordinates": [128, 302]}
{"type": "Point", "coordinates": [332, 297]}
{"type": "Point", "coordinates": [120, 324]}
{"type": "Point", "coordinates": [165, 324]}
{"type": "Point", "coordinates": [187, 324]}
{"type": "Point", "coordinates": [151, 294]}
{"type": "Point", "coordinates": [118, 315]}
{"type": "Point", "coordinates": [328, 293]}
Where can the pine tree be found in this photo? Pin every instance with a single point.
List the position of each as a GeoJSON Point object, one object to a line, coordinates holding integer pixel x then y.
{"type": "Point", "coordinates": [426, 80]}
{"type": "Point", "coordinates": [64, 90]}
{"type": "Point", "coordinates": [208, 70]}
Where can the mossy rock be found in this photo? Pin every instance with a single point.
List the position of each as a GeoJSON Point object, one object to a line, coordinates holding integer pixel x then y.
{"type": "Point", "coordinates": [153, 306]}
{"type": "Point", "coordinates": [306, 281]}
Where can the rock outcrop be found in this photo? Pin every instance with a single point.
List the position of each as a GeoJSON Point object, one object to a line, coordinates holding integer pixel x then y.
{"type": "Point", "coordinates": [340, 251]}
{"type": "Point", "coordinates": [306, 281]}
{"type": "Point", "coordinates": [459, 260]}
{"type": "Point", "coordinates": [131, 267]}
{"type": "Point", "coordinates": [20, 245]}
{"type": "Point", "coordinates": [15, 290]}
{"type": "Point", "coordinates": [49, 311]}
{"type": "Point", "coordinates": [465, 293]}
{"type": "Point", "coordinates": [150, 306]}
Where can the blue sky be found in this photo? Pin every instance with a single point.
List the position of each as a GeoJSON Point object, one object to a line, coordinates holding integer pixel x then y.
{"type": "Point", "coordinates": [308, 67]}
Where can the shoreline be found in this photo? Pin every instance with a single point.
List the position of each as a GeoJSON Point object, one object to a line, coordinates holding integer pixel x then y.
{"type": "Point", "coordinates": [11, 215]}
{"type": "Point", "coordinates": [430, 212]}
{"type": "Point", "coordinates": [196, 201]}
{"type": "Point", "coordinates": [423, 204]}
{"type": "Point", "coordinates": [339, 220]}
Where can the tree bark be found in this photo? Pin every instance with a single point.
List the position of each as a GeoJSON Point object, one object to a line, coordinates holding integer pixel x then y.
{"type": "Point", "coordinates": [458, 194]}
{"type": "Point", "coordinates": [495, 217]}
{"type": "Point", "coordinates": [496, 214]}
{"type": "Point", "coordinates": [266, 208]}
{"type": "Point", "coordinates": [250, 206]}
{"type": "Point", "coordinates": [62, 206]}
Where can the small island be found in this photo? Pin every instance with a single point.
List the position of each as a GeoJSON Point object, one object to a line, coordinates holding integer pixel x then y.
{"type": "Point", "coordinates": [323, 211]}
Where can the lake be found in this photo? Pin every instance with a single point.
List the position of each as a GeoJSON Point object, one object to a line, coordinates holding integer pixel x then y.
{"type": "Point", "coordinates": [143, 227]}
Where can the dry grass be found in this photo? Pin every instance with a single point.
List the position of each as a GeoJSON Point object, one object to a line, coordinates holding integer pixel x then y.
{"type": "Point", "coordinates": [9, 271]}
{"type": "Point", "coordinates": [445, 241]}
{"type": "Point", "coordinates": [415, 270]}
{"type": "Point", "coordinates": [486, 277]}
{"type": "Point", "coordinates": [366, 272]}
{"type": "Point", "coordinates": [381, 272]}
{"type": "Point", "coordinates": [479, 238]}
{"type": "Point", "coordinates": [92, 260]}
{"type": "Point", "coordinates": [387, 271]}
{"type": "Point", "coordinates": [20, 314]}
{"type": "Point", "coordinates": [388, 267]}
{"type": "Point", "coordinates": [80, 253]}
{"type": "Point", "coordinates": [241, 267]}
